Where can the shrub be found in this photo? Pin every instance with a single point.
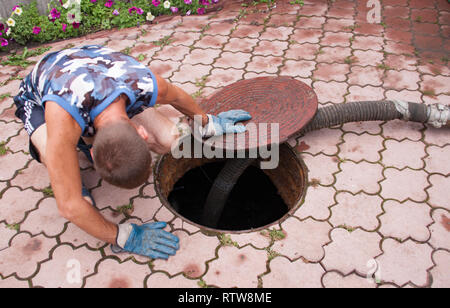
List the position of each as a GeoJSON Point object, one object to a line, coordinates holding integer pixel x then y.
{"type": "Point", "coordinates": [71, 18]}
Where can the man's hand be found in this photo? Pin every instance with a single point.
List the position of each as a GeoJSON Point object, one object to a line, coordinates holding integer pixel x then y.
{"type": "Point", "coordinates": [225, 122]}
{"type": "Point", "coordinates": [148, 240]}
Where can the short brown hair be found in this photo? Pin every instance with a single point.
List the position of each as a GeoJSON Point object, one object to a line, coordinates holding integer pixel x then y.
{"type": "Point", "coordinates": [121, 156]}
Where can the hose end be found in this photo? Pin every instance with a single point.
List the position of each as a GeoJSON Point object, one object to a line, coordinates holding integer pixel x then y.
{"type": "Point", "coordinates": [439, 115]}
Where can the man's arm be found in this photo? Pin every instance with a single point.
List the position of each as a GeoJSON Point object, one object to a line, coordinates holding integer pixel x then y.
{"type": "Point", "coordinates": [178, 98]}
{"type": "Point", "coordinates": [63, 134]}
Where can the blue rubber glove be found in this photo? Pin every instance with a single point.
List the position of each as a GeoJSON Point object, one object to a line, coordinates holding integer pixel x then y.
{"type": "Point", "coordinates": [148, 240]}
{"type": "Point", "coordinates": [225, 122]}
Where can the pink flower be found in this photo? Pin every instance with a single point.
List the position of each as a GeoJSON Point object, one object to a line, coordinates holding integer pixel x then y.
{"type": "Point", "coordinates": [55, 14]}
{"type": "Point", "coordinates": [2, 27]}
{"type": "Point", "coordinates": [188, 1]}
{"type": "Point", "coordinates": [36, 30]}
{"type": "Point", "coordinates": [174, 9]}
{"type": "Point", "coordinates": [156, 2]}
{"type": "Point", "coordinates": [76, 25]}
{"type": "Point", "coordinates": [109, 3]}
{"type": "Point", "coordinates": [132, 9]}
{"type": "Point", "coordinates": [4, 42]}
{"type": "Point", "coordinates": [139, 11]}
{"type": "Point", "coordinates": [64, 27]}
{"type": "Point", "coordinates": [201, 11]}
{"type": "Point", "coordinates": [116, 13]}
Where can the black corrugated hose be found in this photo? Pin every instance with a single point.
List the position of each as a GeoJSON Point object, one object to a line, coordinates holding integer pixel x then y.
{"type": "Point", "coordinates": [437, 115]}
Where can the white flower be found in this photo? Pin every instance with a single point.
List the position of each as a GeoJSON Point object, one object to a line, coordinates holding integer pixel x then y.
{"type": "Point", "coordinates": [150, 16]}
{"type": "Point", "coordinates": [18, 11]}
{"type": "Point", "coordinates": [167, 4]}
{"type": "Point", "coordinates": [8, 32]}
{"type": "Point", "coordinates": [11, 22]}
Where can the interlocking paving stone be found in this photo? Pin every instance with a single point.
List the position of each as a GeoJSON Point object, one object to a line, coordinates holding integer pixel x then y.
{"type": "Point", "coordinates": [405, 262]}
{"type": "Point", "coordinates": [378, 195]}
{"type": "Point", "coordinates": [298, 274]}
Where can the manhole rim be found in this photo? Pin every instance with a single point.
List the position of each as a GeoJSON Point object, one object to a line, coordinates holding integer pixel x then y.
{"type": "Point", "coordinates": [209, 230]}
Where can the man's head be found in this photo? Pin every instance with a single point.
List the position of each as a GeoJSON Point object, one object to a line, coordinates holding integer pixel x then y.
{"type": "Point", "coordinates": [121, 155]}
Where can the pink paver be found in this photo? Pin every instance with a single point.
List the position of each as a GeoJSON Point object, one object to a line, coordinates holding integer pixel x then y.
{"type": "Point", "coordinates": [439, 193]}
{"type": "Point", "coordinates": [15, 203]}
{"type": "Point", "coordinates": [201, 56]}
{"type": "Point", "coordinates": [350, 251]}
{"type": "Point", "coordinates": [441, 271]}
{"type": "Point", "coordinates": [400, 80]}
{"type": "Point", "coordinates": [161, 280]}
{"type": "Point", "coordinates": [372, 127]}
{"type": "Point", "coordinates": [246, 263]}
{"type": "Point", "coordinates": [404, 184]}
{"type": "Point", "coordinates": [434, 162]}
{"type": "Point", "coordinates": [222, 77]}
{"type": "Point", "coordinates": [191, 259]}
{"type": "Point", "coordinates": [363, 76]}
{"type": "Point", "coordinates": [403, 154]}
{"type": "Point", "coordinates": [257, 239]}
{"type": "Point", "coordinates": [401, 195]}
{"type": "Point", "coordinates": [333, 54]}
{"type": "Point", "coordinates": [318, 201]}
{"type": "Point", "coordinates": [400, 130]}
{"type": "Point", "coordinates": [303, 239]}
{"type": "Point", "coordinates": [46, 219]}
{"type": "Point", "coordinates": [440, 229]}
{"type": "Point", "coordinates": [333, 91]}
{"type": "Point", "coordinates": [298, 274]}
{"type": "Point", "coordinates": [367, 57]}
{"type": "Point", "coordinates": [232, 60]}
{"type": "Point", "coordinates": [298, 68]}
{"type": "Point", "coordinates": [108, 195]}
{"type": "Point", "coordinates": [279, 33]}
{"type": "Point", "coordinates": [335, 72]}
{"type": "Point", "coordinates": [356, 177]}
{"type": "Point", "coordinates": [367, 93]}
{"type": "Point", "coordinates": [302, 51]}
{"type": "Point", "coordinates": [361, 147]}
{"type": "Point", "coordinates": [372, 43]}
{"type": "Point", "coordinates": [321, 168]}
{"type": "Point", "coordinates": [189, 72]}
{"type": "Point", "coordinates": [322, 141]}
{"type": "Point", "coordinates": [212, 41]}
{"type": "Point", "coordinates": [336, 280]}
{"type": "Point", "coordinates": [405, 262]}
{"type": "Point", "coordinates": [23, 255]}
{"type": "Point", "coordinates": [359, 210]}
{"type": "Point", "coordinates": [35, 175]}
{"type": "Point", "coordinates": [67, 268]}
{"type": "Point", "coordinates": [267, 64]}
{"type": "Point", "coordinates": [111, 274]}
{"type": "Point", "coordinates": [405, 220]}
{"type": "Point", "coordinates": [274, 48]}
{"type": "Point", "coordinates": [6, 234]}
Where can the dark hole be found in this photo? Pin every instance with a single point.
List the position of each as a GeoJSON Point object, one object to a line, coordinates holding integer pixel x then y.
{"type": "Point", "coordinates": [254, 201]}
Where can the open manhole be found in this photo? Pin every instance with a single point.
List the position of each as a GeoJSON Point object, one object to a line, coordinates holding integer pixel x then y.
{"type": "Point", "coordinates": [261, 197]}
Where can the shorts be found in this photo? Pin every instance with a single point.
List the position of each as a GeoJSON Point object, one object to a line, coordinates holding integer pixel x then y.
{"type": "Point", "coordinates": [33, 116]}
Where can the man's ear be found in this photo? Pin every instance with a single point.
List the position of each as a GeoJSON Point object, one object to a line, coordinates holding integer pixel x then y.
{"type": "Point", "coordinates": [142, 132]}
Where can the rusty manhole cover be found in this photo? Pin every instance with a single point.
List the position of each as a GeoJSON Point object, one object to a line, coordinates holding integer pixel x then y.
{"type": "Point", "coordinates": [283, 100]}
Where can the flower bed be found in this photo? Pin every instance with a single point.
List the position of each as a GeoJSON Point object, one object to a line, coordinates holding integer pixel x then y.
{"type": "Point", "coordinates": [72, 18]}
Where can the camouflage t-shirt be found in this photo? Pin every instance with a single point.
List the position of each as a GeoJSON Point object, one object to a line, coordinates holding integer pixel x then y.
{"type": "Point", "coordinates": [86, 80]}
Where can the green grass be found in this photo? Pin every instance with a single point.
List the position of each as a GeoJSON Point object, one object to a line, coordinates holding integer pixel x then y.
{"type": "Point", "coordinates": [163, 41]}
{"type": "Point", "coordinates": [3, 148]}
{"type": "Point", "coordinates": [22, 59]}
{"type": "Point", "coordinates": [48, 191]}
